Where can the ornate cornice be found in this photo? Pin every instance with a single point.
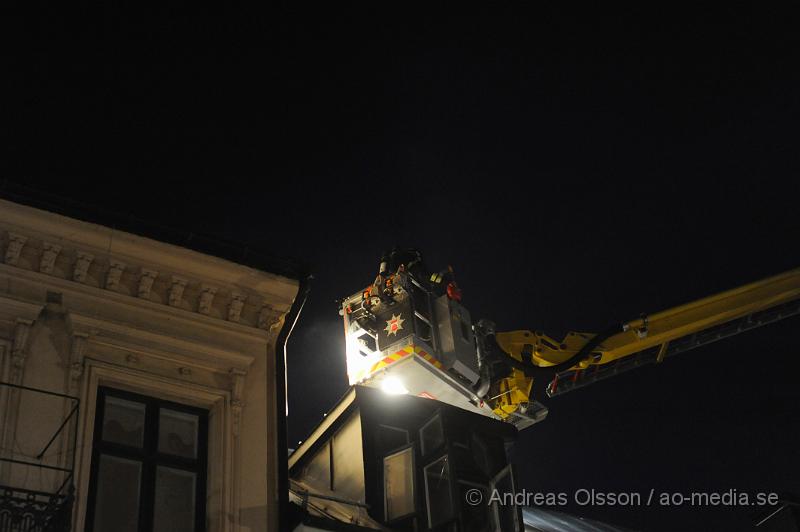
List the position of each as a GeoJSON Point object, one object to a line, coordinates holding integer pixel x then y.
{"type": "Point", "coordinates": [82, 262]}
{"type": "Point", "coordinates": [107, 260]}
{"type": "Point", "coordinates": [206, 299]}
{"type": "Point", "coordinates": [184, 354]}
{"type": "Point", "coordinates": [14, 247]}
{"type": "Point", "coordinates": [235, 306]}
{"type": "Point", "coordinates": [106, 243]}
{"type": "Point", "coordinates": [114, 274]}
{"type": "Point", "coordinates": [146, 280]}
{"type": "Point", "coordinates": [48, 259]}
{"type": "Point", "coordinates": [176, 288]}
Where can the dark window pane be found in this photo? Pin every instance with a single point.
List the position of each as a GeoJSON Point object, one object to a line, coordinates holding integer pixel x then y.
{"type": "Point", "coordinates": [482, 455]}
{"type": "Point", "coordinates": [463, 461]}
{"type": "Point", "coordinates": [177, 433]}
{"type": "Point", "coordinates": [117, 503]}
{"type": "Point", "coordinates": [123, 421]}
{"type": "Point", "coordinates": [431, 435]}
{"type": "Point", "coordinates": [390, 438]}
{"type": "Point", "coordinates": [475, 517]}
{"type": "Point", "coordinates": [438, 492]}
{"type": "Point", "coordinates": [175, 500]}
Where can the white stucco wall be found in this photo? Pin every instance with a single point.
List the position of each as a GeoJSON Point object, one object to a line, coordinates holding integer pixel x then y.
{"type": "Point", "coordinates": [82, 306]}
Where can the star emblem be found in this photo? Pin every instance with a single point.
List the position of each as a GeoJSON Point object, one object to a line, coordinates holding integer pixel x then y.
{"type": "Point", "coordinates": [393, 325]}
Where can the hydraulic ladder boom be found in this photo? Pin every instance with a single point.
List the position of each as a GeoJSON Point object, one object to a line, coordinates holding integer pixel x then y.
{"type": "Point", "coordinates": [649, 338]}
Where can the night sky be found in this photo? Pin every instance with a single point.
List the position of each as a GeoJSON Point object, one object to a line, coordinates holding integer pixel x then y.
{"type": "Point", "coordinates": [577, 168]}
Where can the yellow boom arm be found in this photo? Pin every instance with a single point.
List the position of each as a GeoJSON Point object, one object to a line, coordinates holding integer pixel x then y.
{"type": "Point", "coordinates": [650, 338]}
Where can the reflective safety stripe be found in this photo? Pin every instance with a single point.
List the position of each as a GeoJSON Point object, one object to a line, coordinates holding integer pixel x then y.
{"type": "Point", "coordinates": [403, 353]}
{"type": "Point", "coordinates": [430, 359]}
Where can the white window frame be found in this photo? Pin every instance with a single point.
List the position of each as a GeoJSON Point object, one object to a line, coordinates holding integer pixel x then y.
{"type": "Point", "coordinates": [436, 417]}
{"type": "Point", "coordinates": [413, 472]}
{"type": "Point", "coordinates": [222, 477]}
{"type": "Point", "coordinates": [450, 485]}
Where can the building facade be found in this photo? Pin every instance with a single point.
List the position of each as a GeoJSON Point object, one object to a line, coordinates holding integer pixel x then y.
{"type": "Point", "coordinates": [138, 381]}
{"type": "Point", "coordinates": [398, 462]}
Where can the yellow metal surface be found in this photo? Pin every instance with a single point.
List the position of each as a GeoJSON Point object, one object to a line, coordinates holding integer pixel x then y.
{"type": "Point", "coordinates": [641, 334]}
{"type": "Point", "coordinates": [506, 395]}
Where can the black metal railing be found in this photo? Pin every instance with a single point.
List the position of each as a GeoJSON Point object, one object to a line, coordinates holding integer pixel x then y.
{"type": "Point", "coordinates": [27, 510]}
{"type": "Point", "coordinates": [24, 510]}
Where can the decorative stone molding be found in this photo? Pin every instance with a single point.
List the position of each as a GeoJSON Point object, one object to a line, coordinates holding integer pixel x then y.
{"type": "Point", "coordinates": [206, 299]}
{"type": "Point", "coordinates": [146, 283]}
{"type": "Point", "coordinates": [170, 344]}
{"type": "Point", "coordinates": [77, 353]}
{"type": "Point", "coordinates": [235, 306]}
{"type": "Point", "coordinates": [104, 333]}
{"type": "Point", "coordinates": [201, 301]}
{"type": "Point", "coordinates": [115, 269]}
{"type": "Point", "coordinates": [48, 260]}
{"type": "Point", "coordinates": [268, 318]}
{"type": "Point", "coordinates": [18, 349]}
{"type": "Point", "coordinates": [52, 237]}
{"type": "Point", "coordinates": [237, 404]}
{"type": "Point", "coordinates": [178, 284]}
{"type": "Point", "coordinates": [82, 262]}
{"type": "Point", "coordinates": [14, 249]}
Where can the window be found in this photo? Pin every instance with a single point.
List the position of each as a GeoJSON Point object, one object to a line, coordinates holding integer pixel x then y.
{"type": "Point", "coordinates": [431, 435]}
{"type": "Point", "coordinates": [474, 517]}
{"type": "Point", "coordinates": [148, 465]}
{"type": "Point", "coordinates": [480, 452]}
{"type": "Point", "coordinates": [438, 491]}
{"type": "Point", "coordinates": [390, 438]}
{"type": "Point", "coordinates": [398, 484]}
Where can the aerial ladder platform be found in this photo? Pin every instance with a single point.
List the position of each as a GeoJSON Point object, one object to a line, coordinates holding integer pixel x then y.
{"type": "Point", "coordinates": [408, 332]}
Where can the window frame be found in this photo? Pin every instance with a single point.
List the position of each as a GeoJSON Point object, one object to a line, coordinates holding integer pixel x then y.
{"type": "Point", "coordinates": [149, 456]}
{"type": "Point", "coordinates": [414, 488]}
{"type": "Point", "coordinates": [517, 511]}
{"type": "Point", "coordinates": [437, 417]}
{"type": "Point", "coordinates": [483, 503]}
{"type": "Point", "coordinates": [384, 452]}
{"type": "Point", "coordinates": [451, 484]}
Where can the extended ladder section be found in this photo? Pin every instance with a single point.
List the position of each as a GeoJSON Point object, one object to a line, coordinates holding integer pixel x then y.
{"type": "Point", "coordinates": [653, 338]}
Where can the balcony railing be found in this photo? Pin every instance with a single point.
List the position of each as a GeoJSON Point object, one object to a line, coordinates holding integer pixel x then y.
{"type": "Point", "coordinates": [23, 509]}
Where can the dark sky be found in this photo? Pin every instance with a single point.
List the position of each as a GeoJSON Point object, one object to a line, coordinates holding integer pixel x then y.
{"type": "Point", "coordinates": [575, 167]}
